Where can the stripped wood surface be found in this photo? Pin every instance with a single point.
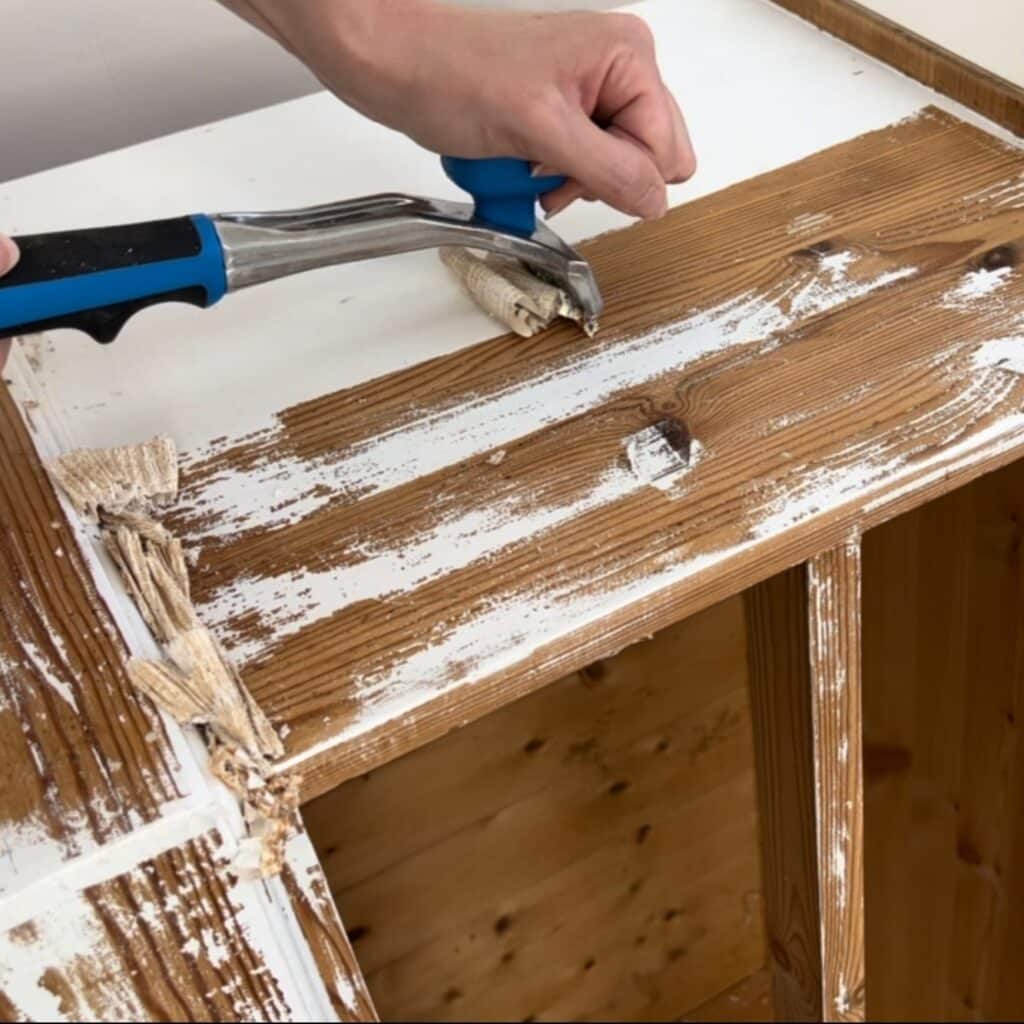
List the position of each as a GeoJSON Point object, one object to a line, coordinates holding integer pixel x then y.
{"type": "Point", "coordinates": [778, 646]}
{"type": "Point", "coordinates": [973, 86]}
{"type": "Point", "coordinates": [83, 759]}
{"type": "Point", "coordinates": [586, 853]}
{"type": "Point", "coordinates": [116, 900]}
{"type": "Point", "coordinates": [944, 764]}
{"type": "Point", "coordinates": [834, 608]}
{"type": "Point", "coordinates": [838, 338]}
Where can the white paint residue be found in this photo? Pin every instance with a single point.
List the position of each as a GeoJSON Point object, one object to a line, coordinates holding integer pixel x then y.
{"type": "Point", "coordinates": [511, 628]}
{"type": "Point", "coordinates": [808, 223]}
{"type": "Point", "coordinates": [1001, 354]}
{"type": "Point", "coordinates": [655, 462]}
{"type": "Point", "coordinates": [290, 602]}
{"type": "Point", "coordinates": [66, 937]}
{"type": "Point", "coordinates": [50, 673]}
{"type": "Point", "coordinates": [279, 492]}
{"type": "Point", "coordinates": [974, 286]}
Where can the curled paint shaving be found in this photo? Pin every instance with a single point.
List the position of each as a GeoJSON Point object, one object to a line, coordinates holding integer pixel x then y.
{"type": "Point", "coordinates": [509, 629]}
{"type": "Point", "coordinates": [279, 492]}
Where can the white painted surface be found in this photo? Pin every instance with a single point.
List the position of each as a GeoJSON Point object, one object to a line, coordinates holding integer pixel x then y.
{"type": "Point", "coordinates": [990, 34]}
{"type": "Point", "coordinates": [202, 374]}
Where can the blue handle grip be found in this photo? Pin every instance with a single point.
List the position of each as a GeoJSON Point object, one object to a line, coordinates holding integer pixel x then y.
{"type": "Point", "coordinates": [503, 190]}
{"type": "Point", "coordinates": [95, 279]}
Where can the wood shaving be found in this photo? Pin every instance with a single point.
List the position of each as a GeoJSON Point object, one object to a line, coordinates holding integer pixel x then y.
{"type": "Point", "coordinates": [507, 290]}
{"type": "Point", "coordinates": [196, 683]}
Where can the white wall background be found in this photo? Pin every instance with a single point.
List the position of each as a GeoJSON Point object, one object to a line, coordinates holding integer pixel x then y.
{"type": "Point", "coordinates": [79, 77]}
{"type": "Point", "coordinates": [989, 33]}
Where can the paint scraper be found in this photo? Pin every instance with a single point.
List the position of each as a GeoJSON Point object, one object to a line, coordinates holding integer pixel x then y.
{"type": "Point", "coordinates": [95, 279]}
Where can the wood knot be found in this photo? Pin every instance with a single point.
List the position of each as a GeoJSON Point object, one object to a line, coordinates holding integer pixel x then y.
{"type": "Point", "coordinates": [999, 257]}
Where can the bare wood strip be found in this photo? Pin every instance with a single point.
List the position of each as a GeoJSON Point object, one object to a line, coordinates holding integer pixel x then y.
{"type": "Point", "coordinates": [317, 915]}
{"type": "Point", "coordinates": [834, 582]}
{"type": "Point", "coordinates": [935, 66]}
{"type": "Point", "coordinates": [778, 646]}
{"type": "Point", "coordinates": [83, 759]}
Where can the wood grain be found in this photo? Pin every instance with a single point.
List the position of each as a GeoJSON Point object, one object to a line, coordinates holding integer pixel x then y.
{"type": "Point", "coordinates": [747, 1000]}
{"type": "Point", "coordinates": [778, 645]}
{"type": "Point", "coordinates": [939, 68]}
{"type": "Point", "coordinates": [944, 685]}
{"type": "Point", "coordinates": [586, 853]}
{"type": "Point", "coordinates": [834, 608]}
{"type": "Point", "coordinates": [83, 760]}
{"type": "Point", "coordinates": [838, 399]}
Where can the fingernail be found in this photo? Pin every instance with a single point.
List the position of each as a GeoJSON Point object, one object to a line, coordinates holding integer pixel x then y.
{"type": "Point", "coordinates": [558, 207]}
{"type": "Point", "coordinates": [542, 171]}
{"type": "Point", "coordinates": [9, 254]}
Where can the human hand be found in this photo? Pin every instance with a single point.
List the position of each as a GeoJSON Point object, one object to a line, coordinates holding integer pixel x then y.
{"type": "Point", "coordinates": [578, 93]}
{"type": "Point", "coordinates": [8, 257]}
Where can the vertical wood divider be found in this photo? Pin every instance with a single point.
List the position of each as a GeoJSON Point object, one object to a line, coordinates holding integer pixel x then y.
{"type": "Point", "coordinates": [804, 639]}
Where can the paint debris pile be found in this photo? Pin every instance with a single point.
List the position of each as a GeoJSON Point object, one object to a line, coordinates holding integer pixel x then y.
{"type": "Point", "coordinates": [120, 489]}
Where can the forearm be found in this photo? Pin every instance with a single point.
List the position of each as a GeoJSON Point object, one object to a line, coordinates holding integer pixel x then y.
{"type": "Point", "coordinates": [342, 41]}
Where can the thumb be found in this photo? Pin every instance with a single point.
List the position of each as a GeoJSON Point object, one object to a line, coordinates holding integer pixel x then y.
{"type": "Point", "coordinates": [614, 169]}
{"type": "Point", "coordinates": [9, 254]}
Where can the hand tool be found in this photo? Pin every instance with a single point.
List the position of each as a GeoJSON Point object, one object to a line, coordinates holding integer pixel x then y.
{"type": "Point", "coordinates": [94, 279]}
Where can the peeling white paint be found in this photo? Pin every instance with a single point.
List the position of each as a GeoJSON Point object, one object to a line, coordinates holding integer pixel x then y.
{"type": "Point", "coordinates": [1001, 354]}
{"type": "Point", "coordinates": [975, 287]}
{"type": "Point", "coordinates": [281, 491]}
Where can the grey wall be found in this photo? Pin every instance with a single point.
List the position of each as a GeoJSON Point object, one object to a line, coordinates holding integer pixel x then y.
{"type": "Point", "coordinates": [80, 77]}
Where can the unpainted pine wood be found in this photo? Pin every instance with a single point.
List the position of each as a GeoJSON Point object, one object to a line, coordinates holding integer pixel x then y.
{"type": "Point", "coordinates": [850, 415]}
{"type": "Point", "coordinates": [747, 1000]}
{"type": "Point", "coordinates": [944, 683]}
{"type": "Point", "coordinates": [586, 853]}
{"type": "Point", "coordinates": [946, 72]}
{"type": "Point", "coordinates": [83, 759]}
{"type": "Point", "coordinates": [804, 649]}
{"type": "Point", "coordinates": [834, 610]}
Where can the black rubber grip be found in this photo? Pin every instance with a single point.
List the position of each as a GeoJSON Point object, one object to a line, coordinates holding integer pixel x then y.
{"type": "Point", "coordinates": [58, 254]}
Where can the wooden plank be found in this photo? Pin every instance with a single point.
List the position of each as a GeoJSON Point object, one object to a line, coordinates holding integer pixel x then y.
{"type": "Point", "coordinates": [317, 916]}
{"type": "Point", "coordinates": [948, 73]}
{"type": "Point", "coordinates": [586, 853]}
{"type": "Point", "coordinates": [804, 649]}
{"type": "Point", "coordinates": [778, 645]}
{"type": "Point", "coordinates": [944, 683]}
{"type": "Point", "coordinates": [83, 760]}
{"type": "Point", "coordinates": [834, 608]}
{"type": "Point", "coordinates": [89, 779]}
{"type": "Point", "coordinates": [747, 1000]}
{"type": "Point", "coordinates": [396, 568]}
{"type": "Point", "coordinates": [171, 937]}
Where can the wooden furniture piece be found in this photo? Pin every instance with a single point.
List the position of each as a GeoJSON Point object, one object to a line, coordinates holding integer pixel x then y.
{"type": "Point", "coordinates": [579, 739]}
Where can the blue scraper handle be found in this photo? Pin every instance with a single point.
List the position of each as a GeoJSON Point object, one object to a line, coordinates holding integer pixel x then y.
{"type": "Point", "coordinates": [504, 193]}
{"type": "Point", "coordinates": [95, 279]}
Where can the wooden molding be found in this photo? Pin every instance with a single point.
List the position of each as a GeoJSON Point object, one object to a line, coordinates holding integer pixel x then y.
{"type": "Point", "coordinates": [946, 72]}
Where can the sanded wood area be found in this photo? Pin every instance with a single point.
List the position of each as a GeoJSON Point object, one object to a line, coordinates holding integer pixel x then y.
{"type": "Point", "coordinates": [838, 339]}
{"type": "Point", "coordinates": [944, 764]}
{"type": "Point", "coordinates": [586, 853]}
{"type": "Point", "coordinates": [935, 66]}
{"type": "Point", "coordinates": [83, 759]}
{"type": "Point", "coordinates": [834, 608]}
